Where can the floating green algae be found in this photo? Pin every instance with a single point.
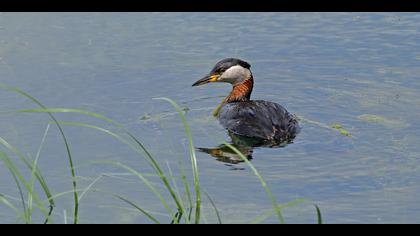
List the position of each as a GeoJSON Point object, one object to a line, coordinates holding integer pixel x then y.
{"type": "Point", "coordinates": [389, 123]}
{"type": "Point", "coordinates": [341, 129]}
{"type": "Point", "coordinates": [334, 126]}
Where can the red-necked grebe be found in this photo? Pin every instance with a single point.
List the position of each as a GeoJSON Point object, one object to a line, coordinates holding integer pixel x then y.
{"type": "Point", "coordinates": [243, 116]}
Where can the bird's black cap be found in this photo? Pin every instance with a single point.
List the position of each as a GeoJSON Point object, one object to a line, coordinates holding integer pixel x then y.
{"type": "Point", "coordinates": [225, 64]}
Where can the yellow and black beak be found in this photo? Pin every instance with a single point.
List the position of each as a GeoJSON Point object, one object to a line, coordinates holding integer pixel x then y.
{"type": "Point", "coordinates": [207, 79]}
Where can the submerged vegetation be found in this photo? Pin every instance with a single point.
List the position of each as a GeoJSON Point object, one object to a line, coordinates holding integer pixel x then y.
{"type": "Point", "coordinates": [181, 207]}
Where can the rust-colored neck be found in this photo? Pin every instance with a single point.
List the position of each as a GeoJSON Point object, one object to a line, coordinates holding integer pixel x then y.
{"type": "Point", "coordinates": [241, 92]}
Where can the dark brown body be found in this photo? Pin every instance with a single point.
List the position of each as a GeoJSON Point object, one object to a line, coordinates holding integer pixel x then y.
{"type": "Point", "coordinates": [259, 119]}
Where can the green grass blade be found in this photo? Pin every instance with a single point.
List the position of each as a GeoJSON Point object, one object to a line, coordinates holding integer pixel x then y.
{"type": "Point", "coordinates": [22, 198]}
{"type": "Point", "coordinates": [100, 129]}
{"type": "Point", "coordinates": [77, 111]}
{"type": "Point", "coordinates": [7, 203]}
{"type": "Point", "coordinates": [149, 157]}
{"type": "Point", "coordinates": [70, 159]}
{"type": "Point", "coordinates": [148, 215]}
{"type": "Point", "coordinates": [187, 191]}
{"type": "Point", "coordinates": [146, 182]}
{"type": "Point", "coordinates": [176, 190]}
{"type": "Point", "coordinates": [29, 165]}
{"type": "Point", "coordinates": [259, 219]}
{"type": "Point", "coordinates": [318, 214]}
{"type": "Point", "coordinates": [219, 220]}
{"type": "Point", "coordinates": [19, 177]}
{"type": "Point", "coordinates": [58, 195]}
{"type": "Point", "coordinates": [34, 169]}
{"type": "Point", "coordinates": [192, 157]}
{"type": "Point", "coordinates": [161, 174]}
{"type": "Point", "coordinates": [89, 187]}
{"type": "Point", "coordinates": [262, 181]}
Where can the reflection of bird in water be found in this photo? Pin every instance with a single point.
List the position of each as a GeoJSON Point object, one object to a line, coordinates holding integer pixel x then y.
{"type": "Point", "coordinates": [266, 121]}
{"type": "Point", "coordinates": [245, 145]}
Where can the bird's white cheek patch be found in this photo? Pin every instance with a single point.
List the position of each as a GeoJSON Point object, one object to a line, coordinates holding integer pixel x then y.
{"type": "Point", "coordinates": [235, 74]}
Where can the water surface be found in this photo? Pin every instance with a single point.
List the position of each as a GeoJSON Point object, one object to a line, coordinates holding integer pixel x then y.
{"type": "Point", "coordinates": [358, 70]}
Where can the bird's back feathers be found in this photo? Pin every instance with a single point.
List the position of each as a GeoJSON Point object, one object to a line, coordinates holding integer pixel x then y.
{"type": "Point", "coordinates": [259, 119]}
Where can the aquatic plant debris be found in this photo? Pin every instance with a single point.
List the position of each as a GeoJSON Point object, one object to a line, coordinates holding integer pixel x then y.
{"type": "Point", "coordinates": [159, 116]}
{"type": "Point", "coordinates": [146, 117]}
{"type": "Point", "coordinates": [334, 126]}
{"type": "Point", "coordinates": [341, 130]}
{"type": "Point", "coordinates": [389, 123]}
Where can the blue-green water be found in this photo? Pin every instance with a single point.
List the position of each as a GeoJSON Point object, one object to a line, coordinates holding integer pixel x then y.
{"type": "Point", "coordinates": [359, 70]}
